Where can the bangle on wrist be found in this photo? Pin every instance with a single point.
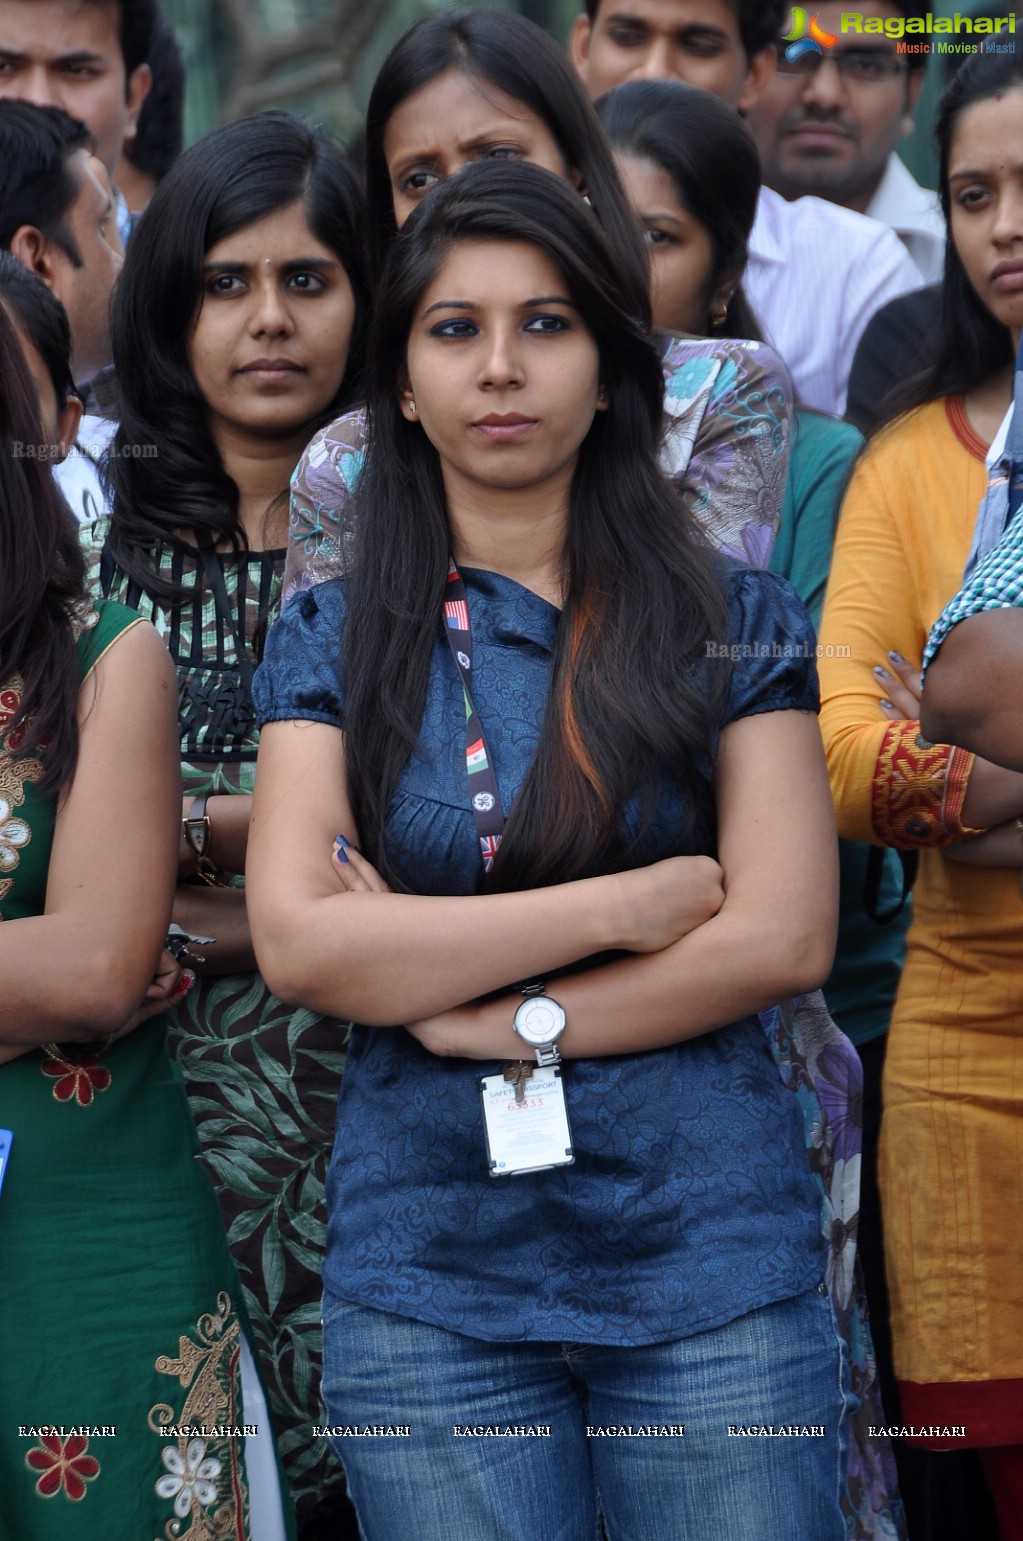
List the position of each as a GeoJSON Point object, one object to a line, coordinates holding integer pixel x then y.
{"type": "Point", "coordinates": [195, 827]}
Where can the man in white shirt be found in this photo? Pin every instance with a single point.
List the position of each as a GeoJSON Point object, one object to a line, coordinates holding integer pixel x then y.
{"type": "Point", "coordinates": [829, 119]}
{"type": "Point", "coordinates": [816, 273]}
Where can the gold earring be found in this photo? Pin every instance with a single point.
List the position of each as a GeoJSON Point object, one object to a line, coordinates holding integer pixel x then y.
{"type": "Point", "coordinates": [719, 317]}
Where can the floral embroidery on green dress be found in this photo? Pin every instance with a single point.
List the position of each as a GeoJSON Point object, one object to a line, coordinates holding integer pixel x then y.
{"type": "Point", "coordinates": [204, 1476]}
{"type": "Point", "coordinates": [65, 1466]}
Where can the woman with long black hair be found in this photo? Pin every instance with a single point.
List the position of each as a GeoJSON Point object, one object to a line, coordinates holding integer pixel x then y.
{"type": "Point", "coordinates": [517, 725]}
{"type": "Point", "coordinates": [237, 332]}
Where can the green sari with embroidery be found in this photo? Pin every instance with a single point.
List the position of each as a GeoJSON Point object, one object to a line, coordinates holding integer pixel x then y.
{"type": "Point", "coordinates": [120, 1383]}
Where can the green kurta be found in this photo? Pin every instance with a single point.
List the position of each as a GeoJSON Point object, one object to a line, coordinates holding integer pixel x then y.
{"type": "Point", "coordinates": [118, 1294]}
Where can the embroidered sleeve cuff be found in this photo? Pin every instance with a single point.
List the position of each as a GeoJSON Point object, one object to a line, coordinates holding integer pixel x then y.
{"type": "Point", "coordinates": [918, 790]}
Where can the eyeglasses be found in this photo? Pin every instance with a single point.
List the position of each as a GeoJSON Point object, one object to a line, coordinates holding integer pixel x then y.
{"type": "Point", "coordinates": [859, 67]}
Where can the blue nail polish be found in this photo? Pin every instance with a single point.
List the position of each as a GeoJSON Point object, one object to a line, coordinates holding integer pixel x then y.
{"type": "Point", "coordinates": [342, 855]}
{"type": "Point", "coordinates": [340, 840]}
{"type": "Point", "coordinates": [882, 674]}
{"type": "Point", "coordinates": [896, 657]}
{"type": "Point", "coordinates": [887, 704]}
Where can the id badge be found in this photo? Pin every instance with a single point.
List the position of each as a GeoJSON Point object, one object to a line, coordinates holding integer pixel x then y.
{"type": "Point", "coordinates": [528, 1136]}
{"type": "Point", "coordinates": [5, 1150]}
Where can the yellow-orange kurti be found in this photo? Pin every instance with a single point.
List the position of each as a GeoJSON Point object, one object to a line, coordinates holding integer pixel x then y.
{"type": "Point", "coordinates": [952, 1139]}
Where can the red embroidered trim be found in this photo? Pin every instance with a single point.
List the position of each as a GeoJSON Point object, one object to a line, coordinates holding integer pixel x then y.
{"type": "Point", "coordinates": [956, 781]}
{"type": "Point", "coordinates": [77, 1078]}
{"type": "Point", "coordinates": [10, 701]}
{"type": "Point", "coordinates": [64, 1465]}
{"type": "Point", "coordinates": [908, 789]}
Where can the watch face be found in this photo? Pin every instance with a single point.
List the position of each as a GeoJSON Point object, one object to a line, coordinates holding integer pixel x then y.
{"type": "Point", "coordinates": [539, 1020]}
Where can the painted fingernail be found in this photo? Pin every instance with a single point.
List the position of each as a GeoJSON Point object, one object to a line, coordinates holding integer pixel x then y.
{"type": "Point", "coordinates": [896, 657]}
{"type": "Point", "coordinates": [882, 674]}
{"type": "Point", "coordinates": [340, 840]}
{"type": "Point", "coordinates": [185, 983]}
{"type": "Point", "coordinates": [887, 706]}
{"type": "Point", "coordinates": [342, 855]}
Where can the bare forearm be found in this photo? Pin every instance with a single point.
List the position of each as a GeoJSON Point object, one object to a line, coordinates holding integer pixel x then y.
{"type": "Point", "coordinates": [220, 913]}
{"type": "Point", "coordinates": [998, 847]}
{"type": "Point", "coordinates": [384, 959]}
{"type": "Point", "coordinates": [993, 795]}
{"type": "Point", "coordinates": [719, 973]}
{"type": "Point", "coordinates": [62, 982]}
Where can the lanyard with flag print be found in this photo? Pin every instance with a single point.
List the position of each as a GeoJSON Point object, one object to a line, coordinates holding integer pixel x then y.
{"type": "Point", "coordinates": [484, 797]}
{"type": "Point", "coordinates": [524, 1133]}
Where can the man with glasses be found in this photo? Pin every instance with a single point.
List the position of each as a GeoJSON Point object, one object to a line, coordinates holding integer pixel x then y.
{"type": "Point", "coordinates": [817, 272]}
{"type": "Point", "coordinates": [828, 121]}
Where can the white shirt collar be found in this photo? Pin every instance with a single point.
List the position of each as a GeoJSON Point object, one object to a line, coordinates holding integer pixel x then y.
{"type": "Point", "coordinates": [914, 213]}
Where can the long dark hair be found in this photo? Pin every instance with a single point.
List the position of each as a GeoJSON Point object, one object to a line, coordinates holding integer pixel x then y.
{"type": "Point", "coordinates": [44, 577]}
{"type": "Point", "coordinates": [970, 345]}
{"type": "Point", "coordinates": [165, 471]}
{"type": "Point", "coordinates": [504, 50]}
{"type": "Point", "coordinates": [630, 692]}
{"type": "Point", "coordinates": [709, 153]}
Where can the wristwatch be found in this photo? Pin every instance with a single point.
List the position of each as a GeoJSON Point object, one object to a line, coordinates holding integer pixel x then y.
{"type": "Point", "coordinates": [540, 1021]}
{"type": "Point", "coordinates": [196, 827]}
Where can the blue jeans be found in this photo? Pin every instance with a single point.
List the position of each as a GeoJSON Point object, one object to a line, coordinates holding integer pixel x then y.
{"type": "Point", "coordinates": [783, 1365]}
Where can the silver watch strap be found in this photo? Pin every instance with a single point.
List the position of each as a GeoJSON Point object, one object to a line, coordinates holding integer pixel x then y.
{"type": "Point", "coordinates": [547, 1055]}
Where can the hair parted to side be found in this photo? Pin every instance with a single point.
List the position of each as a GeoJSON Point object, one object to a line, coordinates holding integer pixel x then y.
{"type": "Point", "coordinates": [44, 575]}
{"type": "Point", "coordinates": [38, 313]}
{"type": "Point", "coordinates": [760, 21]}
{"type": "Point", "coordinates": [630, 692]}
{"type": "Point", "coordinates": [970, 345]}
{"type": "Point", "coordinates": [36, 185]}
{"type": "Point", "coordinates": [233, 178]}
{"type": "Point", "coordinates": [502, 49]}
{"type": "Point", "coordinates": [710, 156]}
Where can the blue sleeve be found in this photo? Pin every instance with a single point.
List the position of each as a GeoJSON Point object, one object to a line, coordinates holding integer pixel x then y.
{"type": "Point", "coordinates": [772, 647]}
{"type": "Point", "coordinates": [300, 675]}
